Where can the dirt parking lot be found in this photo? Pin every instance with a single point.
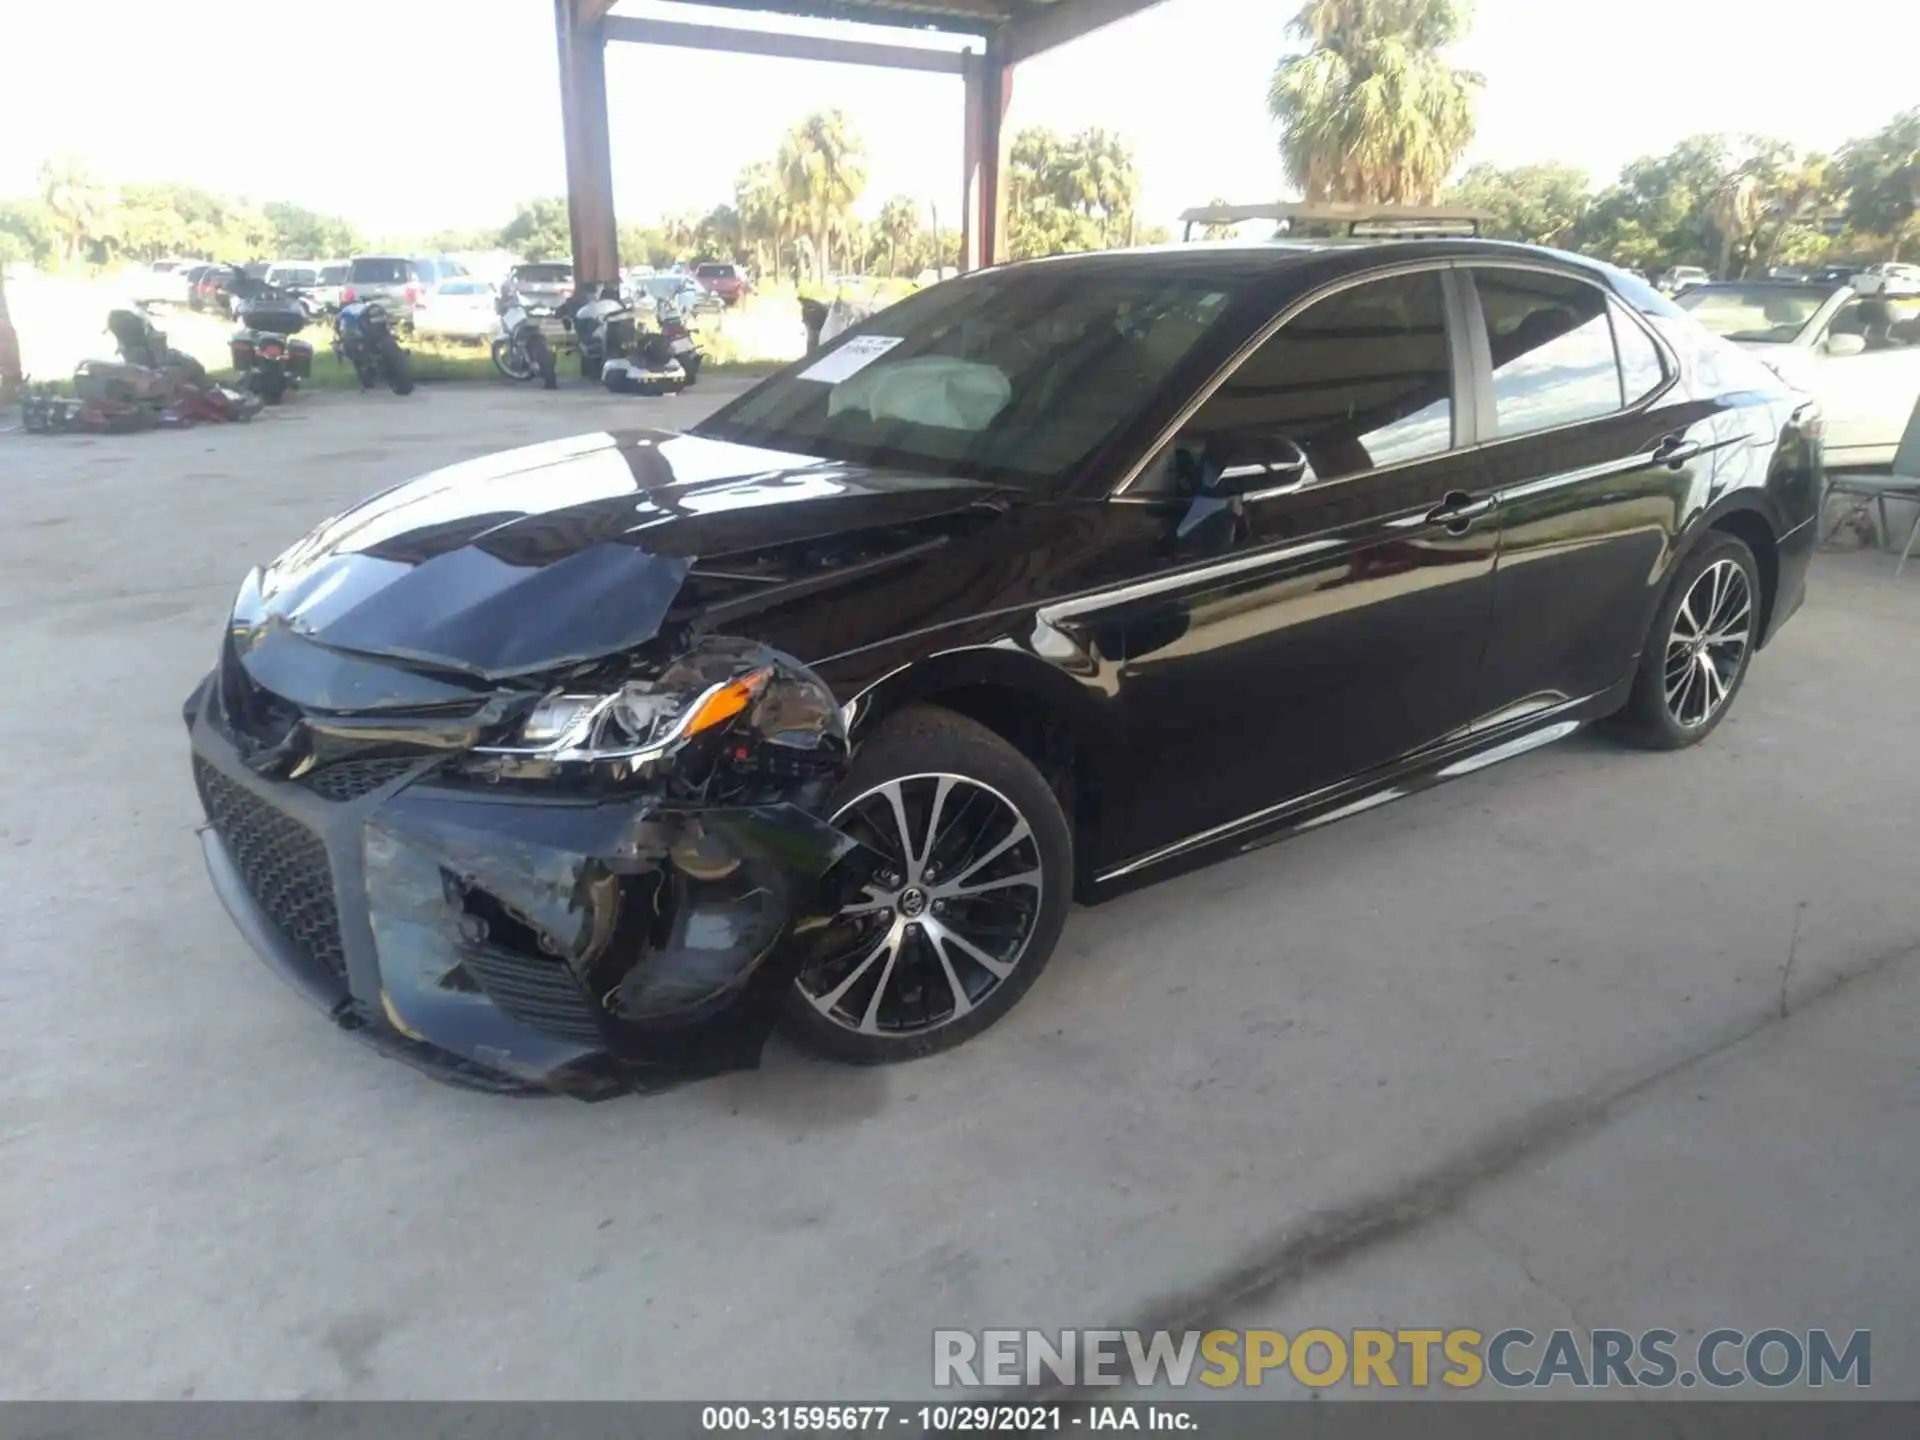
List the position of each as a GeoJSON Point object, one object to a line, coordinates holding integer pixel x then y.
{"type": "Point", "coordinates": [1594, 1037]}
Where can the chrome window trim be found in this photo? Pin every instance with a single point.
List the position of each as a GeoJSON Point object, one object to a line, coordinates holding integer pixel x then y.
{"type": "Point", "coordinates": [1668, 360]}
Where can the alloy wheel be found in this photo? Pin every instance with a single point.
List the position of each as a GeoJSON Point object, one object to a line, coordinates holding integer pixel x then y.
{"type": "Point", "coordinates": [948, 919]}
{"type": "Point", "coordinates": [1712, 631]}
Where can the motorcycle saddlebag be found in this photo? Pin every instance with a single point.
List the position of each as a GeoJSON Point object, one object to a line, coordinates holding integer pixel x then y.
{"type": "Point", "coordinates": [300, 358]}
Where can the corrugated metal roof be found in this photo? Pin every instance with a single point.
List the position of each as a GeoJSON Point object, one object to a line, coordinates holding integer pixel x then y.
{"type": "Point", "coordinates": [966, 16]}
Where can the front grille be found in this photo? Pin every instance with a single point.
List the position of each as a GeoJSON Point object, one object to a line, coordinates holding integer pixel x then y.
{"type": "Point", "coordinates": [535, 990]}
{"type": "Point", "coordinates": [350, 779]}
{"type": "Point", "coordinates": [282, 863]}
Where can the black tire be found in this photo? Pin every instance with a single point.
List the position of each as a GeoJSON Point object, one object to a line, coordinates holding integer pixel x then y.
{"type": "Point", "coordinates": [269, 385]}
{"type": "Point", "coordinates": [1669, 708]}
{"type": "Point", "coordinates": [589, 367]}
{"type": "Point", "coordinates": [915, 750]}
{"type": "Point", "coordinates": [400, 371]}
{"type": "Point", "coordinates": [503, 361]}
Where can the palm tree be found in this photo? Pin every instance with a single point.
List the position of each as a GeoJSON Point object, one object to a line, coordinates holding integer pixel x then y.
{"type": "Point", "coordinates": [822, 172]}
{"type": "Point", "coordinates": [899, 222]}
{"type": "Point", "coordinates": [762, 202]}
{"type": "Point", "coordinates": [1371, 112]}
{"type": "Point", "coordinates": [78, 203]}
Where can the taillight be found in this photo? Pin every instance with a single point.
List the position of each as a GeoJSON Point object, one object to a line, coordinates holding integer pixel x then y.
{"type": "Point", "coordinates": [413, 294]}
{"type": "Point", "coordinates": [271, 352]}
{"type": "Point", "coordinates": [346, 295]}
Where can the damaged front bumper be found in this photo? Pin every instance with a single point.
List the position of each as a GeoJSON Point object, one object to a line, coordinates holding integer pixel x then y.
{"type": "Point", "coordinates": [513, 940]}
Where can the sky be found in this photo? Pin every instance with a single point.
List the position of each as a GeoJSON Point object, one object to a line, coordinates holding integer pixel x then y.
{"type": "Point", "coordinates": [443, 113]}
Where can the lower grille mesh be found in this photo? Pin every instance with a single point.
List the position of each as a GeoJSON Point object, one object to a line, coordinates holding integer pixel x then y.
{"type": "Point", "coordinates": [283, 864]}
{"type": "Point", "coordinates": [537, 991]}
{"type": "Point", "coordinates": [350, 779]}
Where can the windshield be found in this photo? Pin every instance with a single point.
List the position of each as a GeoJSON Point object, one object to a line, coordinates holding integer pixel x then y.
{"type": "Point", "coordinates": [333, 275]}
{"type": "Point", "coordinates": [544, 274]}
{"type": "Point", "coordinates": [1760, 314]}
{"type": "Point", "coordinates": [1018, 374]}
{"type": "Point", "coordinates": [378, 270]}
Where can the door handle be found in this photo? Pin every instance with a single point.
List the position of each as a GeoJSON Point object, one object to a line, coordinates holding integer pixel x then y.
{"type": "Point", "coordinates": [1675, 451]}
{"type": "Point", "coordinates": [1458, 511]}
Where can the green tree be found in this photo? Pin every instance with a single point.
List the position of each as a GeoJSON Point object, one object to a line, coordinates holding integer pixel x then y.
{"type": "Point", "coordinates": [822, 172]}
{"type": "Point", "coordinates": [78, 204]}
{"type": "Point", "coordinates": [760, 197]}
{"type": "Point", "coordinates": [27, 233]}
{"type": "Point", "coordinates": [302, 234]}
{"type": "Point", "coordinates": [1881, 174]}
{"type": "Point", "coordinates": [1371, 111]}
{"type": "Point", "coordinates": [1656, 214]}
{"type": "Point", "coordinates": [1535, 204]}
{"type": "Point", "coordinates": [1069, 194]}
{"type": "Point", "coordinates": [539, 230]}
{"type": "Point", "coordinates": [898, 223]}
{"type": "Point", "coordinates": [643, 245]}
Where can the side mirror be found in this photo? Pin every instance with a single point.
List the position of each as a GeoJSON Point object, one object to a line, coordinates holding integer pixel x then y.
{"type": "Point", "coordinates": [1250, 463]}
{"type": "Point", "coordinates": [1845, 345]}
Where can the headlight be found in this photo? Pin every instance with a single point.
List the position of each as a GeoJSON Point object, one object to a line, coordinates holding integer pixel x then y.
{"type": "Point", "coordinates": [642, 721]}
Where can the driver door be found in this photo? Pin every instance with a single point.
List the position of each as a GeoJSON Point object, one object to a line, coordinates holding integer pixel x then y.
{"type": "Point", "coordinates": [1312, 621]}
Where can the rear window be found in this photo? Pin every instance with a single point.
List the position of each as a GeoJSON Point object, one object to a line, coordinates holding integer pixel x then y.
{"type": "Point", "coordinates": [378, 270]}
{"type": "Point", "coordinates": [464, 287]}
{"type": "Point", "coordinates": [715, 272]}
{"type": "Point", "coordinates": [334, 275]}
{"type": "Point", "coordinates": [1757, 314]}
{"type": "Point", "coordinates": [544, 274]}
{"type": "Point", "coordinates": [292, 277]}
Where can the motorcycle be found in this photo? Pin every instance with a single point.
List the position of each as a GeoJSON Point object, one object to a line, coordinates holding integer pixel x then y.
{"type": "Point", "coordinates": [266, 357]}
{"type": "Point", "coordinates": [141, 342]}
{"type": "Point", "coordinates": [363, 338]}
{"type": "Point", "coordinates": [603, 326]}
{"type": "Point", "coordinates": [664, 362]}
{"type": "Point", "coordinates": [521, 351]}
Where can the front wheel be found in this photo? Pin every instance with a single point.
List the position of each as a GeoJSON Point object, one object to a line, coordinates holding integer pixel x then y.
{"type": "Point", "coordinates": [946, 938]}
{"type": "Point", "coordinates": [511, 360]}
{"type": "Point", "coordinates": [1697, 652]}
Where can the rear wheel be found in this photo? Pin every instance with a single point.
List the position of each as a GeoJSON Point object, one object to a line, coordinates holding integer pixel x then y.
{"type": "Point", "coordinates": [269, 385]}
{"type": "Point", "coordinates": [400, 371]}
{"type": "Point", "coordinates": [948, 937]}
{"type": "Point", "coordinates": [1696, 655]}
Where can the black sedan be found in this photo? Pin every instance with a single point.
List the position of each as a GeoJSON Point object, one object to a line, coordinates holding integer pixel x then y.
{"type": "Point", "coordinates": [582, 765]}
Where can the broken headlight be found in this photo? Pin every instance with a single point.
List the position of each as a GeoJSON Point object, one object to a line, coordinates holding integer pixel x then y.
{"type": "Point", "coordinates": [642, 721]}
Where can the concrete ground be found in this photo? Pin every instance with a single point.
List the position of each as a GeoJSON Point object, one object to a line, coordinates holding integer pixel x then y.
{"type": "Point", "coordinates": [1593, 1037]}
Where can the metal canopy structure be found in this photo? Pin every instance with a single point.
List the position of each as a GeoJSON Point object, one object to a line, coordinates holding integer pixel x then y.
{"type": "Point", "coordinates": [1005, 31]}
{"type": "Point", "coordinates": [1335, 218]}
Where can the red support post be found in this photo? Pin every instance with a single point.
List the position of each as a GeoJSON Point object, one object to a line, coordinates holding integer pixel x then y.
{"type": "Point", "coordinates": [580, 28]}
{"type": "Point", "coordinates": [9, 347]}
{"type": "Point", "coordinates": [989, 89]}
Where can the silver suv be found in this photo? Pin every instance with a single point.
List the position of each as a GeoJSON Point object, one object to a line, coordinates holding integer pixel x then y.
{"type": "Point", "coordinates": [394, 280]}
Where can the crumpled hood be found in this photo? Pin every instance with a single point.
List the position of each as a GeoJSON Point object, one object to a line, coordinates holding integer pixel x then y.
{"type": "Point", "coordinates": [571, 550]}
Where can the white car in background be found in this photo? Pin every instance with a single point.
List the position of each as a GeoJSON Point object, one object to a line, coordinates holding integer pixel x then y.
{"type": "Point", "coordinates": [164, 282]}
{"type": "Point", "coordinates": [461, 308]}
{"type": "Point", "coordinates": [1858, 354]}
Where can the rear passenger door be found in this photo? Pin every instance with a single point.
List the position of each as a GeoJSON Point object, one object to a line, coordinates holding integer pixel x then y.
{"type": "Point", "coordinates": [1591, 453]}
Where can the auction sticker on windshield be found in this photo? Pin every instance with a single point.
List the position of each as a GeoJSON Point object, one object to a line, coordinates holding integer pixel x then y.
{"type": "Point", "coordinates": [850, 359]}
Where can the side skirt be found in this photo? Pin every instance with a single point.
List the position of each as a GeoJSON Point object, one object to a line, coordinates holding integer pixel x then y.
{"type": "Point", "coordinates": [1446, 761]}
